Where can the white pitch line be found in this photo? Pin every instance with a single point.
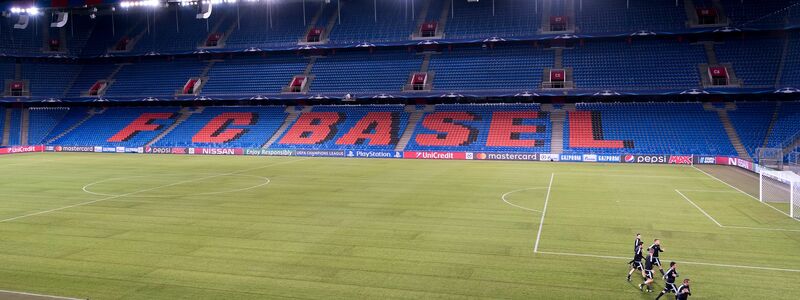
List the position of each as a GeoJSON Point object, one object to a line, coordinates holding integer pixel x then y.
{"type": "Point", "coordinates": [701, 210]}
{"type": "Point", "coordinates": [37, 295]}
{"type": "Point", "coordinates": [734, 227]}
{"type": "Point", "coordinates": [709, 191]}
{"type": "Point", "coordinates": [751, 196]}
{"type": "Point", "coordinates": [544, 211]}
{"type": "Point", "coordinates": [761, 228]}
{"type": "Point", "coordinates": [518, 206]}
{"type": "Point", "coordinates": [678, 261]}
{"type": "Point", "coordinates": [142, 191]}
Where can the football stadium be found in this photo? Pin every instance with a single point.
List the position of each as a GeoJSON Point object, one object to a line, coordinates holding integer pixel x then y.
{"type": "Point", "coordinates": [399, 149]}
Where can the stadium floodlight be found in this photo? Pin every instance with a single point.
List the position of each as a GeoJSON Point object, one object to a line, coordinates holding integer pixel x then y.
{"type": "Point", "coordinates": [780, 187]}
{"type": "Point", "coordinates": [33, 10]}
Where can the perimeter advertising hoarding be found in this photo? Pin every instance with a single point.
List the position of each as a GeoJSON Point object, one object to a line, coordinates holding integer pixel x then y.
{"type": "Point", "coordinates": [216, 151]}
{"type": "Point", "coordinates": [502, 156]}
{"type": "Point", "coordinates": [73, 148]}
{"type": "Point", "coordinates": [434, 155]}
{"type": "Point", "coordinates": [158, 150]}
{"type": "Point", "coordinates": [608, 158]}
{"type": "Point", "coordinates": [571, 157]}
{"type": "Point", "coordinates": [658, 159]}
{"type": "Point", "coordinates": [267, 152]}
{"type": "Point", "coordinates": [548, 157]}
{"type": "Point", "coordinates": [319, 153]}
{"type": "Point", "coordinates": [705, 160]}
{"type": "Point", "coordinates": [374, 154]}
{"type": "Point", "coordinates": [22, 149]}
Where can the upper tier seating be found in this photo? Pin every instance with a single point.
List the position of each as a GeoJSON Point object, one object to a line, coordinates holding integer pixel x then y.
{"type": "Point", "coordinates": [284, 28]}
{"type": "Point", "coordinates": [645, 128]}
{"type": "Point", "coordinates": [791, 67]}
{"type": "Point", "coordinates": [764, 13]}
{"type": "Point", "coordinates": [247, 127]}
{"type": "Point", "coordinates": [359, 71]}
{"type": "Point", "coordinates": [182, 34]}
{"type": "Point", "coordinates": [154, 78]}
{"type": "Point", "coordinates": [88, 76]}
{"type": "Point", "coordinates": [754, 59]}
{"type": "Point", "coordinates": [457, 127]}
{"type": "Point", "coordinates": [475, 68]}
{"type": "Point", "coordinates": [107, 31]}
{"type": "Point", "coordinates": [49, 79]}
{"type": "Point", "coordinates": [368, 127]}
{"type": "Point", "coordinates": [253, 76]}
{"type": "Point", "coordinates": [642, 64]}
{"type": "Point", "coordinates": [358, 22]}
{"type": "Point", "coordinates": [474, 20]}
{"type": "Point", "coordinates": [612, 16]}
{"type": "Point", "coordinates": [100, 129]}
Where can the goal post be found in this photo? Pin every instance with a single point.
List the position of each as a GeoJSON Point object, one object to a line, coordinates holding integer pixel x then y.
{"type": "Point", "coordinates": [780, 187]}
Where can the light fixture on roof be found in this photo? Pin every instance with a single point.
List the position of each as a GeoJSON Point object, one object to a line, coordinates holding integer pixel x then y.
{"type": "Point", "coordinates": [33, 11]}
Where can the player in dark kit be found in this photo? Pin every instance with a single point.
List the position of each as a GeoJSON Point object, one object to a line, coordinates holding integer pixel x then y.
{"type": "Point", "coordinates": [683, 291]}
{"type": "Point", "coordinates": [637, 241]}
{"type": "Point", "coordinates": [669, 280]}
{"type": "Point", "coordinates": [648, 271]}
{"type": "Point", "coordinates": [636, 262]}
{"type": "Point", "coordinates": [656, 246]}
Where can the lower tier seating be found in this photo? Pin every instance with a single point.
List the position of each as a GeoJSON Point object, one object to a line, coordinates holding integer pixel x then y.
{"type": "Point", "coordinates": [598, 128]}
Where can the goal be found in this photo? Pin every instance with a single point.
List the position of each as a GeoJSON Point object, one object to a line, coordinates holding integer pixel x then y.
{"type": "Point", "coordinates": [780, 187]}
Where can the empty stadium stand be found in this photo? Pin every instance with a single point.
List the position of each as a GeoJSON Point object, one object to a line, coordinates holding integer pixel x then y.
{"type": "Point", "coordinates": [225, 127]}
{"type": "Point", "coordinates": [479, 68]}
{"type": "Point", "coordinates": [370, 127]}
{"type": "Point", "coordinates": [616, 16]}
{"type": "Point", "coordinates": [484, 127]}
{"type": "Point", "coordinates": [119, 127]}
{"type": "Point", "coordinates": [645, 128]}
{"type": "Point", "coordinates": [639, 64]}
{"type": "Point", "coordinates": [359, 71]}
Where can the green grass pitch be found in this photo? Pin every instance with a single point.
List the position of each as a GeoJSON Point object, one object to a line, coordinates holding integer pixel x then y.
{"type": "Point", "coordinates": [110, 226]}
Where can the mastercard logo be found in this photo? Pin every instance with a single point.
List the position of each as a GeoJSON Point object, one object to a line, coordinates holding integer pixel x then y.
{"type": "Point", "coordinates": [481, 156]}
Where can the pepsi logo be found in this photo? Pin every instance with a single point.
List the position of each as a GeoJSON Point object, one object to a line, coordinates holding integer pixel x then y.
{"type": "Point", "coordinates": [629, 158]}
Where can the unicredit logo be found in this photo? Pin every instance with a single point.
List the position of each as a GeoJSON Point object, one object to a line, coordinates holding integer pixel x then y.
{"type": "Point", "coordinates": [435, 155]}
{"type": "Point", "coordinates": [21, 149]}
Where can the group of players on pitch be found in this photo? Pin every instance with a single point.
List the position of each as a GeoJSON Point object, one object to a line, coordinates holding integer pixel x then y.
{"type": "Point", "coordinates": [681, 293]}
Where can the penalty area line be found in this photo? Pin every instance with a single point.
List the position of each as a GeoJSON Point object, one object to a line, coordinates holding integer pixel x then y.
{"type": "Point", "coordinates": [143, 191]}
{"type": "Point", "coordinates": [728, 226]}
{"type": "Point", "coordinates": [751, 196]}
{"type": "Point", "coordinates": [701, 210]}
{"type": "Point", "coordinates": [544, 212]}
{"type": "Point", "coordinates": [678, 261]}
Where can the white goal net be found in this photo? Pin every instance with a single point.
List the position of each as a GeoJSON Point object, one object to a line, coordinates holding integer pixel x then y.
{"type": "Point", "coordinates": [780, 187]}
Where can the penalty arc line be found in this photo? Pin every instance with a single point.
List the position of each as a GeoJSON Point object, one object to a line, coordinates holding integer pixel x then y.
{"type": "Point", "coordinates": [544, 212]}
{"type": "Point", "coordinates": [142, 191]}
{"type": "Point", "coordinates": [751, 196]}
{"type": "Point", "coordinates": [701, 210]}
{"type": "Point", "coordinates": [678, 261]}
{"type": "Point", "coordinates": [503, 197]}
